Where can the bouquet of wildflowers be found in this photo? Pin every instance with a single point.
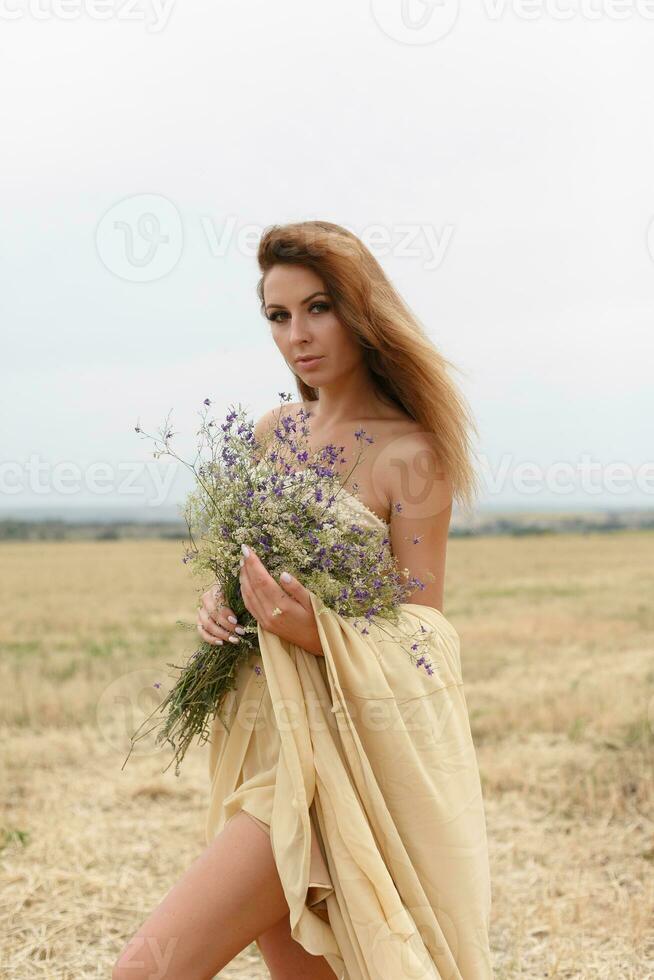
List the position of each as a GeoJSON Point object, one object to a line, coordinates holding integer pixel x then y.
{"type": "Point", "coordinates": [274, 494]}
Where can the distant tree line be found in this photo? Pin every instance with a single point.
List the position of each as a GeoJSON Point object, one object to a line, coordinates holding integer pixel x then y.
{"type": "Point", "coordinates": [517, 525]}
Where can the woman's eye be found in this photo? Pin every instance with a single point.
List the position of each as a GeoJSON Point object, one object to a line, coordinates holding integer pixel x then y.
{"type": "Point", "coordinates": [273, 316]}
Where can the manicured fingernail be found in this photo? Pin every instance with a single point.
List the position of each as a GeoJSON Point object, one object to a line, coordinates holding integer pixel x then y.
{"type": "Point", "coordinates": [241, 562]}
{"type": "Point", "coordinates": [245, 550]}
{"type": "Point", "coordinates": [233, 639]}
{"type": "Point", "coordinates": [232, 619]}
{"type": "Point", "coordinates": [285, 577]}
{"type": "Point", "coordinates": [239, 629]}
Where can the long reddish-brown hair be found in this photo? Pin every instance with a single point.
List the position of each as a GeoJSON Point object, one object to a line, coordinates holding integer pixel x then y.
{"type": "Point", "coordinates": [404, 365]}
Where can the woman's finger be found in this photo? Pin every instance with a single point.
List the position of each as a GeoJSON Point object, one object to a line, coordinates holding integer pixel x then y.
{"type": "Point", "coordinates": [209, 637]}
{"type": "Point", "coordinates": [213, 602]}
{"type": "Point", "coordinates": [256, 595]}
{"type": "Point", "coordinates": [208, 626]}
{"type": "Point", "coordinates": [220, 614]}
{"type": "Point", "coordinates": [295, 590]}
{"type": "Point", "coordinates": [261, 593]}
{"type": "Point", "coordinates": [250, 597]}
{"type": "Point", "coordinates": [216, 629]}
{"type": "Point", "coordinates": [260, 580]}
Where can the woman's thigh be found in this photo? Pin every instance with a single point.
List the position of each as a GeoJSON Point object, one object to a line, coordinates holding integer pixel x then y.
{"type": "Point", "coordinates": [229, 896]}
{"type": "Point", "coordinates": [287, 959]}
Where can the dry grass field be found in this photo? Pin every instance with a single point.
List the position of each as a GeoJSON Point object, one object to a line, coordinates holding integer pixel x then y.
{"type": "Point", "coordinates": [557, 637]}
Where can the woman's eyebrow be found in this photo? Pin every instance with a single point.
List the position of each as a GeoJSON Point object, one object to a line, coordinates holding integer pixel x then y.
{"type": "Point", "coordinates": [279, 305]}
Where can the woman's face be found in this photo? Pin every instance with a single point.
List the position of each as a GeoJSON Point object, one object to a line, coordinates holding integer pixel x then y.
{"type": "Point", "coordinates": [303, 322]}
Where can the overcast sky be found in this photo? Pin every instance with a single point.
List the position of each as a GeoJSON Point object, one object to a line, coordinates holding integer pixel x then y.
{"type": "Point", "coordinates": [499, 160]}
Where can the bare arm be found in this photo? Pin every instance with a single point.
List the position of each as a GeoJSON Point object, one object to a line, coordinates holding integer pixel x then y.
{"type": "Point", "coordinates": [420, 524]}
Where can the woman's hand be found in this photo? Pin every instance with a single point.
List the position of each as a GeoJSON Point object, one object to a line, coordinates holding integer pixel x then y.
{"type": "Point", "coordinates": [262, 595]}
{"type": "Point", "coordinates": [217, 622]}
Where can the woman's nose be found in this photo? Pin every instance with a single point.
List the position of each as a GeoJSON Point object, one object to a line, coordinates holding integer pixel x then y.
{"type": "Point", "coordinates": [298, 328]}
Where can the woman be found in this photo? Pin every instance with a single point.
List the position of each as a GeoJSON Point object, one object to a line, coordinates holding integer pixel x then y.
{"type": "Point", "coordinates": [343, 849]}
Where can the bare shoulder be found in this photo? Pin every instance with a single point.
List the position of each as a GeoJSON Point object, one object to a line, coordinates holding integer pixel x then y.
{"type": "Point", "coordinates": [268, 421]}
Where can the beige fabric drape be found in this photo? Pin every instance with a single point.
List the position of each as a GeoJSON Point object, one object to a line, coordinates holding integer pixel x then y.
{"type": "Point", "coordinates": [363, 768]}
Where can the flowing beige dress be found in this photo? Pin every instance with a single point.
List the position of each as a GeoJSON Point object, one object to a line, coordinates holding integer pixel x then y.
{"type": "Point", "coordinates": [362, 768]}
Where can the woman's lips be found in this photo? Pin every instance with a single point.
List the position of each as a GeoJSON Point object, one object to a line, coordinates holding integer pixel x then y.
{"type": "Point", "coordinates": [311, 362]}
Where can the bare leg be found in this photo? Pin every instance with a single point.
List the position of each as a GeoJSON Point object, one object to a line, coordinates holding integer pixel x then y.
{"type": "Point", "coordinates": [287, 959]}
{"type": "Point", "coordinates": [229, 896]}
